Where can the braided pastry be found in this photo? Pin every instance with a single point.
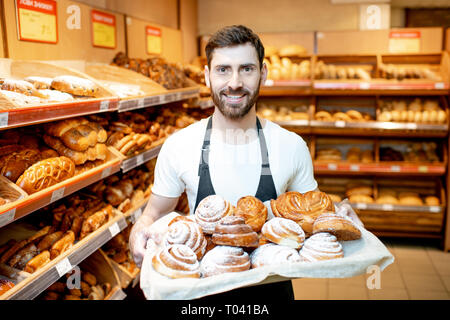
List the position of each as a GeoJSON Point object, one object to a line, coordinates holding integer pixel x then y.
{"type": "Point", "coordinates": [187, 232]}
{"type": "Point", "coordinates": [284, 232]}
{"type": "Point", "coordinates": [46, 173]}
{"type": "Point", "coordinates": [271, 254]}
{"type": "Point", "coordinates": [303, 209]}
{"type": "Point", "coordinates": [338, 226]}
{"type": "Point", "coordinates": [210, 210]}
{"type": "Point", "coordinates": [253, 211]}
{"type": "Point", "coordinates": [232, 231]}
{"type": "Point", "coordinates": [223, 259]}
{"type": "Point", "coordinates": [177, 261]}
{"type": "Point", "coordinates": [321, 246]}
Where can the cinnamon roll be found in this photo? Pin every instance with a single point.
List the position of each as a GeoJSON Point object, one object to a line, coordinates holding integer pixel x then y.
{"type": "Point", "coordinates": [177, 261]}
{"type": "Point", "coordinates": [338, 226]}
{"type": "Point", "coordinates": [253, 211]}
{"type": "Point", "coordinates": [210, 210]}
{"type": "Point", "coordinates": [272, 254]}
{"type": "Point", "coordinates": [284, 232]}
{"type": "Point", "coordinates": [223, 259]}
{"type": "Point", "coordinates": [189, 233]}
{"type": "Point", "coordinates": [232, 231]}
{"type": "Point", "coordinates": [321, 246]}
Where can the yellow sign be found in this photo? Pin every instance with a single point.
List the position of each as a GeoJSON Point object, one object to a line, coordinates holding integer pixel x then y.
{"type": "Point", "coordinates": [37, 20]}
{"type": "Point", "coordinates": [404, 41]}
{"type": "Point", "coordinates": [103, 29]}
{"type": "Point", "coordinates": [154, 40]}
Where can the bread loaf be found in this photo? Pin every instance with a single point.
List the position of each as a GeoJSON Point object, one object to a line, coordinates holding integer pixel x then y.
{"type": "Point", "coordinates": [15, 164]}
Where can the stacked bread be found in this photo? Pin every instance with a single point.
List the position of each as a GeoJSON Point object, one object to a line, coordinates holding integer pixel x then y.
{"type": "Point", "coordinates": [348, 116]}
{"type": "Point", "coordinates": [282, 113]}
{"type": "Point", "coordinates": [398, 72]}
{"type": "Point", "coordinates": [359, 193]}
{"type": "Point", "coordinates": [285, 69]}
{"type": "Point", "coordinates": [415, 152]}
{"type": "Point", "coordinates": [90, 289]}
{"type": "Point", "coordinates": [418, 111]}
{"type": "Point", "coordinates": [328, 154]}
{"type": "Point", "coordinates": [331, 71]}
{"type": "Point", "coordinates": [408, 198]}
{"type": "Point", "coordinates": [355, 154]}
{"type": "Point", "coordinates": [222, 238]}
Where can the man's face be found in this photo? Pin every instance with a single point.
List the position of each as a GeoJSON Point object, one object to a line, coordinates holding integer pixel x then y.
{"type": "Point", "coordinates": [234, 79]}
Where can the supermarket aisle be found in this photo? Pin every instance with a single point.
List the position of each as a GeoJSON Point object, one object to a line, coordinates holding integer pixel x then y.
{"type": "Point", "coordinates": [420, 271]}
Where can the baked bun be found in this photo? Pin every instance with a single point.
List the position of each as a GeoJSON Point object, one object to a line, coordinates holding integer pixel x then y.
{"type": "Point", "coordinates": [253, 211]}
{"type": "Point", "coordinates": [272, 254]}
{"type": "Point", "coordinates": [232, 231]}
{"type": "Point", "coordinates": [187, 232]}
{"type": "Point", "coordinates": [303, 209]}
{"type": "Point", "coordinates": [432, 201]}
{"type": "Point", "coordinates": [323, 116]}
{"type": "Point", "coordinates": [177, 261]}
{"type": "Point", "coordinates": [360, 198]}
{"type": "Point", "coordinates": [284, 232]}
{"type": "Point", "coordinates": [338, 226]}
{"type": "Point", "coordinates": [321, 246]}
{"type": "Point", "coordinates": [209, 212]}
{"type": "Point", "coordinates": [223, 259]}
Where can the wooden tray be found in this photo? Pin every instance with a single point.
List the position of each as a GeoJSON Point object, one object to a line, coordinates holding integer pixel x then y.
{"type": "Point", "coordinates": [125, 277]}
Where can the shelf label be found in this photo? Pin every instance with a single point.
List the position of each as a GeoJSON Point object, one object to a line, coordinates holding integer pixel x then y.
{"type": "Point", "coordinates": [404, 41]}
{"type": "Point", "coordinates": [361, 206]}
{"type": "Point", "coordinates": [396, 168]}
{"type": "Point", "coordinates": [140, 103]}
{"type": "Point", "coordinates": [135, 216]}
{"type": "Point", "coordinates": [340, 124]}
{"type": "Point", "coordinates": [63, 267]}
{"type": "Point", "coordinates": [37, 20]}
{"type": "Point", "coordinates": [269, 83]}
{"type": "Point", "coordinates": [434, 208]}
{"type": "Point", "coordinates": [4, 119]}
{"type": "Point", "coordinates": [364, 85]}
{"type": "Point", "coordinates": [57, 194]}
{"type": "Point", "coordinates": [106, 172]}
{"type": "Point", "coordinates": [169, 97]}
{"type": "Point", "coordinates": [423, 169]}
{"type": "Point", "coordinates": [139, 159]}
{"type": "Point", "coordinates": [387, 207]}
{"type": "Point", "coordinates": [114, 229]}
{"type": "Point", "coordinates": [104, 105]}
{"type": "Point", "coordinates": [332, 166]}
{"type": "Point", "coordinates": [151, 101]}
{"type": "Point", "coordinates": [411, 126]}
{"type": "Point", "coordinates": [354, 167]}
{"type": "Point", "coordinates": [103, 29]}
{"type": "Point", "coordinates": [439, 85]}
{"type": "Point", "coordinates": [154, 40]}
{"type": "Point", "coordinates": [7, 217]}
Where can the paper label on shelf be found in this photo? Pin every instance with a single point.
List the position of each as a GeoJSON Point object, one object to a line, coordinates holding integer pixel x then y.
{"type": "Point", "coordinates": [63, 267]}
{"type": "Point", "coordinates": [364, 85]}
{"type": "Point", "coordinates": [114, 229]}
{"type": "Point", "coordinates": [4, 119]}
{"type": "Point", "coordinates": [404, 41]}
{"type": "Point", "coordinates": [354, 167]}
{"type": "Point", "coordinates": [387, 207]}
{"type": "Point", "coordinates": [423, 169]}
{"type": "Point", "coordinates": [103, 29]}
{"type": "Point", "coordinates": [332, 166]}
{"type": "Point", "coordinates": [135, 216]}
{"type": "Point", "coordinates": [340, 124]}
{"type": "Point", "coordinates": [37, 20]}
{"type": "Point", "coordinates": [7, 217]}
{"type": "Point", "coordinates": [140, 103]}
{"type": "Point", "coordinates": [104, 105]}
{"type": "Point", "coordinates": [139, 159]}
{"type": "Point", "coordinates": [395, 168]}
{"type": "Point", "coordinates": [154, 40]}
{"type": "Point", "coordinates": [151, 101]}
{"type": "Point", "coordinates": [411, 126]}
{"type": "Point", "coordinates": [361, 206]}
{"type": "Point", "coordinates": [434, 208]}
{"type": "Point", "coordinates": [269, 83]}
{"type": "Point", "coordinates": [439, 85]}
{"type": "Point", "coordinates": [57, 194]}
{"type": "Point", "coordinates": [169, 97]}
{"type": "Point", "coordinates": [106, 172]}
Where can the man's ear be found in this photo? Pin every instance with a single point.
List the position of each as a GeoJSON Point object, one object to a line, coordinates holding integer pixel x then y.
{"type": "Point", "coordinates": [207, 76]}
{"type": "Point", "coordinates": [264, 72]}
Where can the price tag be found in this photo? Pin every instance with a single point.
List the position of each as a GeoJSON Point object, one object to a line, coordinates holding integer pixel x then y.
{"type": "Point", "coordinates": [63, 267]}
{"type": "Point", "coordinates": [114, 229]}
{"type": "Point", "coordinates": [423, 169]}
{"type": "Point", "coordinates": [354, 167]}
{"type": "Point", "coordinates": [364, 85]}
{"type": "Point", "coordinates": [154, 40]}
{"type": "Point", "coordinates": [106, 172]}
{"type": "Point", "coordinates": [339, 124]}
{"type": "Point", "coordinates": [151, 101]}
{"type": "Point", "coordinates": [395, 168]}
{"type": "Point", "coordinates": [4, 119]}
{"type": "Point", "coordinates": [139, 159]}
{"type": "Point", "coordinates": [57, 194]}
{"type": "Point", "coordinates": [332, 166]}
{"type": "Point", "coordinates": [387, 207]}
{"type": "Point", "coordinates": [411, 126]}
{"type": "Point", "coordinates": [434, 208]}
{"type": "Point", "coordinates": [104, 105]}
{"type": "Point", "coordinates": [140, 104]}
{"type": "Point", "coordinates": [103, 29]}
{"type": "Point", "coordinates": [135, 216]}
{"type": "Point", "coordinates": [37, 20]}
{"type": "Point", "coordinates": [269, 83]}
{"type": "Point", "coordinates": [439, 85]}
{"type": "Point", "coordinates": [7, 217]}
{"type": "Point", "coordinates": [361, 206]}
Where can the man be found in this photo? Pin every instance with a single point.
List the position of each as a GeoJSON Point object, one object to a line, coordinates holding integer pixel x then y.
{"type": "Point", "coordinates": [232, 153]}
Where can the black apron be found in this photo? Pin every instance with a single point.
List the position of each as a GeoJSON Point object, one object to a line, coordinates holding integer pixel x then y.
{"type": "Point", "coordinates": [266, 191]}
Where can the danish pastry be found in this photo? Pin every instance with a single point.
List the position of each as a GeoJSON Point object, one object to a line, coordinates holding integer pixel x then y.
{"type": "Point", "coordinates": [177, 261]}
{"type": "Point", "coordinates": [223, 259]}
{"type": "Point", "coordinates": [272, 254]}
{"type": "Point", "coordinates": [341, 228]}
{"type": "Point", "coordinates": [284, 232]}
{"type": "Point", "coordinates": [232, 231]}
{"type": "Point", "coordinates": [75, 85]}
{"type": "Point", "coordinates": [209, 212]}
{"type": "Point", "coordinates": [321, 246]}
{"type": "Point", "coordinates": [253, 211]}
{"type": "Point", "coordinates": [187, 232]}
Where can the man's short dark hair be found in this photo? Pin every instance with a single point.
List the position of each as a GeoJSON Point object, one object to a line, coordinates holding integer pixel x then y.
{"type": "Point", "coordinates": [233, 36]}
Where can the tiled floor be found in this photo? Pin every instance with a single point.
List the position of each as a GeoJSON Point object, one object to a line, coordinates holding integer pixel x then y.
{"type": "Point", "coordinates": [421, 270]}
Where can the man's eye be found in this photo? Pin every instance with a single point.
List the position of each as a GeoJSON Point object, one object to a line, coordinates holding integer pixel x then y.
{"type": "Point", "coordinates": [248, 69]}
{"type": "Point", "coordinates": [222, 70]}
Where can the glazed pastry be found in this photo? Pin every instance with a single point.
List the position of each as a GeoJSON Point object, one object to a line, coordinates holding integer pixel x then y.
{"type": "Point", "coordinates": [177, 261]}
{"type": "Point", "coordinates": [37, 262]}
{"type": "Point", "coordinates": [303, 209]}
{"type": "Point", "coordinates": [284, 232]}
{"type": "Point", "coordinates": [79, 138]}
{"type": "Point", "coordinates": [321, 246]}
{"type": "Point", "coordinates": [232, 231]}
{"type": "Point", "coordinates": [223, 259]}
{"type": "Point", "coordinates": [189, 233]}
{"type": "Point", "coordinates": [95, 221]}
{"type": "Point", "coordinates": [272, 254]}
{"type": "Point", "coordinates": [341, 228]}
{"type": "Point", "coordinates": [58, 128]}
{"type": "Point", "coordinates": [209, 212]}
{"type": "Point", "coordinates": [253, 211]}
{"type": "Point", "coordinates": [13, 165]}
{"type": "Point", "coordinates": [62, 244]}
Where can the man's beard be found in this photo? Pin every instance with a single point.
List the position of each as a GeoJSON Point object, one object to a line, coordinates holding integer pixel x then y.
{"type": "Point", "coordinates": [234, 111]}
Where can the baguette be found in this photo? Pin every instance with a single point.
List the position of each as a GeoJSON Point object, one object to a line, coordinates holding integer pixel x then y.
{"type": "Point", "coordinates": [37, 262]}
{"type": "Point", "coordinates": [62, 244]}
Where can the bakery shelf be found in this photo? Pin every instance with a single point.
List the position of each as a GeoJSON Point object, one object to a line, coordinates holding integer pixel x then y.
{"type": "Point", "coordinates": [380, 168]}
{"type": "Point", "coordinates": [136, 161]}
{"type": "Point", "coordinates": [29, 203]}
{"type": "Point", "coordinates": [31, 285]}
{"type": "Point", "coordinates": [125, 277]}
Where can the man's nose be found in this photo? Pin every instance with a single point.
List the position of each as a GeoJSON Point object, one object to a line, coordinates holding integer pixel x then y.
{"type": "Point", "coordinates": [235, 81]}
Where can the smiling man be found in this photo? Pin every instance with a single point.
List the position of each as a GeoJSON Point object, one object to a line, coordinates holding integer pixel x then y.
{"type": "Point", "coordinates": [233, 153]}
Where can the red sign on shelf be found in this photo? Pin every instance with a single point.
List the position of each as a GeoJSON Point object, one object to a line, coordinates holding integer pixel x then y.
{"type": "Point", "coordinates": [103, 29]}
{"type": "Point", "coordinates": [37, 20]}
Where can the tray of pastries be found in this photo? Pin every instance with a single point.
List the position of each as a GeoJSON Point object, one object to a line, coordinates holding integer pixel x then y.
{"type": "Point", "coordinates": [284, 112]}
{"type": "Point", "coordinates": [224, 246]}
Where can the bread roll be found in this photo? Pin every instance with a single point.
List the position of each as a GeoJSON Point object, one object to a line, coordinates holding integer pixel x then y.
{"type": "Point", "coordinates": [232, 231]}
{"type": "Point", "coordinates": [272, 254]}
{"type": "Point", "coordinates": [321, 246]}
{"type": "Point", "coordinates": [253, 211]}
{"type": "Point", "coordinates": [284, 232]}
{"type": "Point", "coordinates": [177, 261]}
{"type": "Point", "coordinates": [223, 259]}
{"type": "Point", "coordinates": [189, 233]}
{"type": "Point", "coordinates": [209, 212]}
{"type": "Point", "coordinates": [342, 228]}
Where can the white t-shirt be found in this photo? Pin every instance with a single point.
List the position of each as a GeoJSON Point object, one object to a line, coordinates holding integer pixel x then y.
{"type": "Point", "coordinates": [235, 169]}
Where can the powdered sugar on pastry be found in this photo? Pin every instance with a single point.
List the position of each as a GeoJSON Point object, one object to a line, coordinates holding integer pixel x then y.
{"type": "Point", "coordinates": [272, 254]}
{"type": "Point", "coordinates": [21, 99]}
{"type": "Point", "coordinates": [222, 259]}
{"type": "Point", "coordinates": [284, 232]}
{"type": "Point", "coordinates": [187, 233]}
{"type": "Point", "coordinates": [321, 246]}
{"type": "Point", "coordinates": [74, 81]}
{"type": "Point", "coordinates": [40, 82]}
{"type": "Point", "coordinates": [210, 210]}
{"type": "Point", "coordinates": [177, 261]}
{"type": "Point", "coordinates": [55, 95]}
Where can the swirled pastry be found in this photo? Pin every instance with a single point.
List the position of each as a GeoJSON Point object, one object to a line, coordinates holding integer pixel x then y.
{"type": "Point", "coordinates": [321, 246]}
{"type": "Point", "coordinates": [338, 226]}
{"type": "Point", "coordinates": [209, 212]}
{"type": "Point", "coordinates": [284, 232]}
{"type": "Point", "coordinates": [253, 211]}
{"type": "Point", "coordinates": [177, 261]}
{"type": "Point", "coordinates": [223, 259]}
{"type": "Point", "coordinates": [303, 209]}
{"type": "Point", "coordinates": [232, 231]}
{"type": "Point", "coordinates": [272, 254]}
{"type": "Point", "coordinates": [189, 233]}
